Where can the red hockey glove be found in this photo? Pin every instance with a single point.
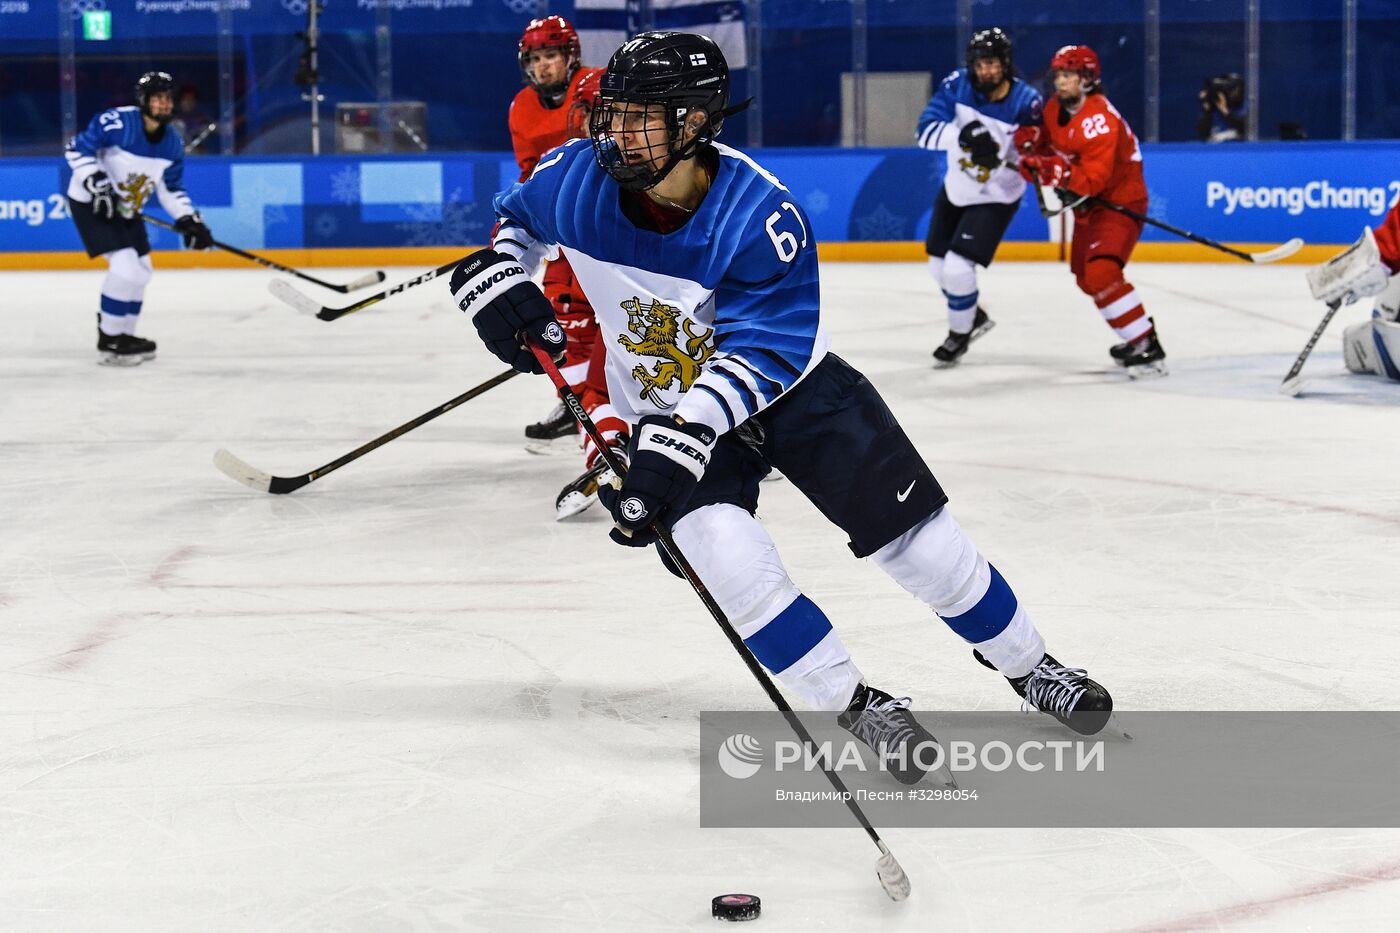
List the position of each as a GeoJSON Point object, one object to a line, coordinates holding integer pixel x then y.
{"type": "Point", "coordinates": [1026, 139]}
{"type": "Point", "coordinates": [1043, 170]}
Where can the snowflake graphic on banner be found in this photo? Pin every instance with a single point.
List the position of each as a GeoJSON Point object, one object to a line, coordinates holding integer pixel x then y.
{"type": "Point", "coordinates": [521, 7]}
{"type": "Point", "coordinates": [1157, 208]}
{"type": "Point", "coordinates": [881, 224]}
{"type": "Point", "coordinates": [325, 225]}
{"type": "Point", "coordinates": [345, 185]}
{"type": "Point", "coordinates": [299, 7]}
{"type": "Point", "coordinates": [818, 202]}
{"type": "Point", "coordinates": [457, 227]}
{"type": "Point", "coordinates": [87, 6]}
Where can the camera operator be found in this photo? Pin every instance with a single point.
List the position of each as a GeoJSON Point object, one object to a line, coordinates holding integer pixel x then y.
{"type": "Point", "coordinates": [1222, 109]}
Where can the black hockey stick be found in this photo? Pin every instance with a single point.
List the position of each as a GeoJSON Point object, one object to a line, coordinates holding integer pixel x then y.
{"type": "Point", "coordinates": [364, 281]}
{"type": "Point", "coordinates": [253, 478]}
{"type": "Point", "coordinates": [1282, 251]}
{"type": "Point", "coordinates": [299, 301]}
{"type": "Point", "coordinates": [887, 868]}
{"type": "Point", "coordinates": [1292, 383]}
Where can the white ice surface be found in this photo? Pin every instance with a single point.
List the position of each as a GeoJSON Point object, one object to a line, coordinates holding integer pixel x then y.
{"type": "Point", "coordinates": [404, 698]}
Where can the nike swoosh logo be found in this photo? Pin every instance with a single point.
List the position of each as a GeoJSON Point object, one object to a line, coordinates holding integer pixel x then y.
{"type": "Point", "coordinates": [901, 496]}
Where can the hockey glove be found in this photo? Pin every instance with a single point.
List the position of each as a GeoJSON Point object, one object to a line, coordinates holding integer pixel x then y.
{"type": "Point", "coordinates": [980, 144]}
{"type": "Point", "coordinates": [1046, 170]}
{"type": "Point", "coordinates": [196, 235]}
{"type": "Point", "coordinates": [666, 467]}
{"type": "Point", "coordinates": [1026, 140]}
{"type": "Point", "coordinates": [103, 201]}
{"type": "Point", "coordinates": [505, 305]}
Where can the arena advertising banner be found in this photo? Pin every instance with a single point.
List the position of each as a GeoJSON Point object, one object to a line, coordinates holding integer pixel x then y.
{"type": "Point", "coordinates": [1322, 192]}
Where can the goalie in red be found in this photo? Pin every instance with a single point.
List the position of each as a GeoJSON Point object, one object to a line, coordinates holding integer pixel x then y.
{"type": "Point", "coordinates": [1084, 146]}
{"type": "Point", "coordinates": [551, 109]}
{"type": "Point", "coordinates": [1370, 266]}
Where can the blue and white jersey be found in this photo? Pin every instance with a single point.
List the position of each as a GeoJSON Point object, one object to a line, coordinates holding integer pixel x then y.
{"type": "Point", "coordinates": [712, 322]}
{"type": "Point", "coordinates": [115, 142]}
{"type": "Point", "coordinates": [956, 104]}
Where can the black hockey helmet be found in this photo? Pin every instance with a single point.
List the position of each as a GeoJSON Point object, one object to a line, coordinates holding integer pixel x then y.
{"type": "Point", "coordinates": [679, 71]}
{"type": "Point", "coordinates": [988, 43]}
{"type": "Point", "coordinates": [150, 84]}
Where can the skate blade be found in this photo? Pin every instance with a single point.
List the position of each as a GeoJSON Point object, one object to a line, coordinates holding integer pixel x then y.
{"type": "Point", "coordinates": [546, 448]}
{"type": "Point", "coordinates": [1147, 370]}
{"type": "Point", "coordinates": [573, 502]}
{"type": "Point", "coordinates": [113, 359]}
{"type": "Point", "coordinates": [979, 331]}
{"type": "Point", "coordinates": [945, 364]}
{"type": "Point", "coordinates": [1113, 729]}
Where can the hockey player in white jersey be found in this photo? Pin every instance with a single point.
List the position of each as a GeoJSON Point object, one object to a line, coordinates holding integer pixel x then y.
{"type": "Point", "coordinates": [1370, 266]}
{"type": "Point", "coordinates": [126, 155]}
{"type": "Point", "coordinates": [972, 117]}
{"type": "Point", "coordinates": [703, 274]}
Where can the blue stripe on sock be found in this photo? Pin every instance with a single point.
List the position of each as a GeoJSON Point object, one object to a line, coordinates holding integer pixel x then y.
{"type": "Point", "coordinates": [961, 302]}
{"type": "Point", "coordinates": [795, 631]}
{"type": "Point", "coordinates": [120, 308]}
{"type": "Point", "coordinates": [990, 617]}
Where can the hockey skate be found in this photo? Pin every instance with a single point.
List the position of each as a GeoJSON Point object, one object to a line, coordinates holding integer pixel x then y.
{"type": "Point", "coordinates": [886, 725]}
{"type": "Point", "coordinates": [1066, 693]}
{"type": "Point", "coordinates": [541, 436]}
{"type": "Point", "coordinates": [956, 344]}
{"type": "Point", "coordinates": [120, 350]}
{"type": "Point", "coordinates": [583, 491]}
{"type": "Point", "coordinates": [147, 348]}
{"type": "Point", "coordinates": [1141, 357]}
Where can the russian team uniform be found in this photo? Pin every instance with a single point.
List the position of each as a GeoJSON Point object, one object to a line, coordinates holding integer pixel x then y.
{"type": "Point", "coordinates": [719, 322]}
{"type": "Point", "coordinates": [115, 142]}
{"type": "Point", "coordinates": [976, 204]}
{"type": "Point", "coordinates": [534, 130]}
{"type": "Point", "coordinates": [1374, 346]}
{"type": "Point", "coordinates": [1106, 162]}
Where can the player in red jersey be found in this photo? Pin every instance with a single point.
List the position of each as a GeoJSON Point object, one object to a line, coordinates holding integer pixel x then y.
{"type": "Point", "coordinates": [551, 109]}
{"type": "Point", "coordinates": [1084, 145]}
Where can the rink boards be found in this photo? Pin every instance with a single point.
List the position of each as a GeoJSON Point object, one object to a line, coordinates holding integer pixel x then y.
{"type": "Point", "coordinates": [864, 204]}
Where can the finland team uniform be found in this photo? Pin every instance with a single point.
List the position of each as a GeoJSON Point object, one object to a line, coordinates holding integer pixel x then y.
{"type": "Point", "coordinates": [718, 323]}
{"type": "Point", "coordinates": [117, 166]}
{"type": "Point", "coordinates": [116, 143]}
{"type": "Point", "coordinates": [981, 188]}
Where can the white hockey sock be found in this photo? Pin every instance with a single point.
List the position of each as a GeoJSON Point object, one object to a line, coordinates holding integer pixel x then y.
{"type": "Point", "coordinates": [939, 564]}
{"type": "Point", "coordinates": [960, 288]}
{"type": "Point", "coordinates": [785, 630]}
{"type": "Point", "coordinates": [123, 289]}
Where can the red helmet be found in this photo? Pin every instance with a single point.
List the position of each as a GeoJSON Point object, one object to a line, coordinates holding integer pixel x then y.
{"type": "Point", "coordinates": [1080, 59]}
{"type": "Point", "coordinates": [550, 32]}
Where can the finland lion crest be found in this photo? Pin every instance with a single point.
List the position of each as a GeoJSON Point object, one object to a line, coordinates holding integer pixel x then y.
{"type": "Point", "coordinates": [657, 328]}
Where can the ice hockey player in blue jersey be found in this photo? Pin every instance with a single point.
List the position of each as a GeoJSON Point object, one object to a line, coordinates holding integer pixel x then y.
{"type": "Point", "coordinates": [972, 117]}
{"type": "Point", "coordinates": [703, 273]}
{"type": "Point", "coordinates": [125, 155]}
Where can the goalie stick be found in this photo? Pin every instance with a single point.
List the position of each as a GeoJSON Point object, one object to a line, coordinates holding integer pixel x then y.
{"type": "Point", "coordinates": [1293, 383]}
{"type": "Point", "coordinates": [364, 281]}
{"type": "Point", "coordinates": [250, 476]}
{"type": "Point", "coordinates": [887, 868]}
{"type": "Point", "coordinates": [296, 299]}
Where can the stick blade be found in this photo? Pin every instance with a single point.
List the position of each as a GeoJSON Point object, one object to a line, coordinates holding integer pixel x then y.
{"type": "Point", "coordinates": [285, 293]}
{"type": "Point", "coordinates": [238, 470]}
{"type": "Point", "coordinates": [891, 875]}
{"type": "Point", "coordinates": [1291, 387]}
{"type": "Point", "coordinates": [364, 281]}
{"type": "Point", "coordinates": [1283, 251]}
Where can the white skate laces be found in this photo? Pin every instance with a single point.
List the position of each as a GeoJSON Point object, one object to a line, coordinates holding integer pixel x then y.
{"type": "Point", "coordinates": [1051, 688]}
{"type": "Point", "coordinates": [879, 726]}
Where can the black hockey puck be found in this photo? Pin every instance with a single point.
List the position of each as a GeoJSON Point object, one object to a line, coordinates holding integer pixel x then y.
{"type": "Point", "coordinates": [735, 907]}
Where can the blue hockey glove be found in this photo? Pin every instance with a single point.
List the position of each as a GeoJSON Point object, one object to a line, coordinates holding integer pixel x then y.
{"type": "Point", "coordinates": [666, 467]}
{"type": "Point", "coordinates": [497, 292]}
{"type": "Point", "coordinates": [980, 144]}
{"type": "Point", "coordinates": [103, 201]}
